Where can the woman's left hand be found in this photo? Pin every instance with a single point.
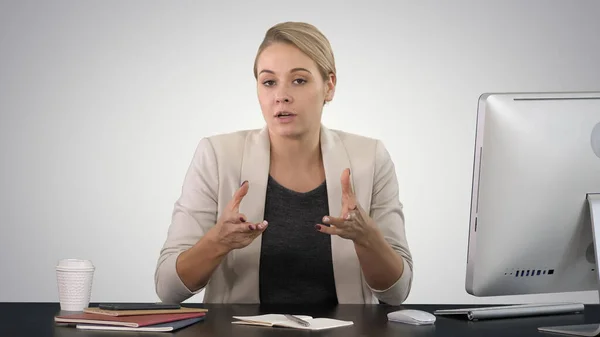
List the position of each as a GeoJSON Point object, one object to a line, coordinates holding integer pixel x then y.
{"type": "Point", "coordinates": [354, 223]}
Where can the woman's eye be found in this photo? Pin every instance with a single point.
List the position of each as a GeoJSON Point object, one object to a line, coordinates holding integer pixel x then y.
{"type": "Point", "coordinates": [299, 81]}
{"type": "Point", "coordinates": [268, 83]}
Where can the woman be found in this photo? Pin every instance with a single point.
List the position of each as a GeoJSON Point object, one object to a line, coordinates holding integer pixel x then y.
{"type": "Point", "coordinates": [294, 212]}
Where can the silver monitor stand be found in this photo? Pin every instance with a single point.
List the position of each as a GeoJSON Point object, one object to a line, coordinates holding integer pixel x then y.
{"type": "Point", "coordinates": [585, 329]}
{"type": "Point", "coordinates": [540, 309]}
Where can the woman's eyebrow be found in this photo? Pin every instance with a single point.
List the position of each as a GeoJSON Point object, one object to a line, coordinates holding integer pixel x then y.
{"type": "Point", "coordinates": [267, 71]}
{"type": "Point", "coordinates": [291, 71]}
{"type": "Point", "coordinates": [300, 69]}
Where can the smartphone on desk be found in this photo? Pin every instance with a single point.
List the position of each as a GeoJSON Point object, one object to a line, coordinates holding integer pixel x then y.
{"type": "Point", "coordinates": [138, 306]}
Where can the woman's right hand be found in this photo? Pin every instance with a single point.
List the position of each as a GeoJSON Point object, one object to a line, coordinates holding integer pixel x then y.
{"type": "Point", "coordinates": [232, 230]}
{"type": "Point", "coordinates": [196, 265]}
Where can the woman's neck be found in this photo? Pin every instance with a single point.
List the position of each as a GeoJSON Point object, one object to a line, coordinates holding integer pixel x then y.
{"type": "Point", "coordinates": [293, 154]}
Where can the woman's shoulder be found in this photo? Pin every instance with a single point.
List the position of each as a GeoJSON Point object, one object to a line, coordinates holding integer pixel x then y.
{"type": "Point", "coordinates": [357, 143]}
{"type": "Point", "coordinates": [362, 148]}
{"type": "Point", "coordinates": [230, 141]}
{"type": "Point", "coordinates": [346, 136]}
{"type": "Point", "coordinates": [232, 136]}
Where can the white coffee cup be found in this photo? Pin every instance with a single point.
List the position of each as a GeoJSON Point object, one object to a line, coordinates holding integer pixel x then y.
{"type": "Point", "coordinates": [74, 278]}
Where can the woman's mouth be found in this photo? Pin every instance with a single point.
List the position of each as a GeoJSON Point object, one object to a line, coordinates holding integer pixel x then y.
{"type": "Point", "coordinates": [285, 116]}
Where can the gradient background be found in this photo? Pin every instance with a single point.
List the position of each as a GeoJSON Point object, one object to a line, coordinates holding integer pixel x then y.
{"type": "Point", "coordinates": [102, 104]}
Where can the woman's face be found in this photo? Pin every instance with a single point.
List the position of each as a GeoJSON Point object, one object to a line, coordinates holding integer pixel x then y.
{"type": "Point", "coordinates": [291, 90]}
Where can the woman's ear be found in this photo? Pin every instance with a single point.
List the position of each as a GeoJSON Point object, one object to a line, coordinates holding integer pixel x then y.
{"type": "Point", "coordinates": [330, 87]}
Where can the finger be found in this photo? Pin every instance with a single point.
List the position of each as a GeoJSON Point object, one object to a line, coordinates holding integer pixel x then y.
{"type": "Point", "coordinates": [350, 209]}
{"type": "Point", "coordinates": [347, 192]}
{"type": "Point", "coordinates": [242, 227]}
{"type": "Point", "coordinates": [331, 230]}
{"type": "Point", "coordinates": [345, 180]}
{"type": "Point", "coordinates": [234, 204]}
{"type": "Point", "coordinates": [259, 226]}
{"type": "Point", "coordinates": [235, 218]}
{"type": "Point", "coordinates": [358, 213]}
{"type": "Point", "coordinates": [336, 221]}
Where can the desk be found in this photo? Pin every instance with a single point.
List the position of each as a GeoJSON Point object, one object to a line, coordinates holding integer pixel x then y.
{"type": "Point", "coordinates": [37, 319]}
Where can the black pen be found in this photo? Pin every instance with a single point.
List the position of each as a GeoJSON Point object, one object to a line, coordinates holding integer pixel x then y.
{"type": "Point", "coordinates": [297, 320]}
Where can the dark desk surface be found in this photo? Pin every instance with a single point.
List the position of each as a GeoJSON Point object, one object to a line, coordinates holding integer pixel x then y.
{"type": "Point", "coordinates": [37, 319]}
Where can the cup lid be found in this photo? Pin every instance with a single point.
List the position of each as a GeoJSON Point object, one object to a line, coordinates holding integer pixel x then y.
{"type": "Point", "coordinates": [75, 270]}
{"type": "Point", "coordinates": [66, 264]}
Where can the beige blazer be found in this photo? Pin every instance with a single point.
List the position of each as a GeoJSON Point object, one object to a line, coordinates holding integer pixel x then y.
{"type": "Point", "coordinates": [222, 162]}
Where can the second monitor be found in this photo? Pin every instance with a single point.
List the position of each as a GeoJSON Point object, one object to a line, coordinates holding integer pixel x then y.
{"type": "Point", "coordinates": [536, 173]}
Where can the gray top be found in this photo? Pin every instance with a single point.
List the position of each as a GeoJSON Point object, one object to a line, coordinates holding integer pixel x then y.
{"type": "Point", "coordinates": [295, 260]}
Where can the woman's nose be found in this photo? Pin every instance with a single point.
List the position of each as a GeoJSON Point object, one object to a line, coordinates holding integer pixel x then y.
{"type": "Point", "coordinates": [283, 97]}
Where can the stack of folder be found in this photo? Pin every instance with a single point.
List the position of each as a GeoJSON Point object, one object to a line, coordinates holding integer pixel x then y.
{"type": "Point", "coordinates": [155, 320]}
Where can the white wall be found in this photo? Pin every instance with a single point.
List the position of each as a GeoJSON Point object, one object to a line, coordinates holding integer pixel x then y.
{"type": "Point", "coordinates": [102, 104]}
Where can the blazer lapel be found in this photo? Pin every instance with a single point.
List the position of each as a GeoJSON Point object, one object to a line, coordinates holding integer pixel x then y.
{"type": "Point", "coordinates": [346, 268]}
{"type": "Point", "coordinates": [255, 169]}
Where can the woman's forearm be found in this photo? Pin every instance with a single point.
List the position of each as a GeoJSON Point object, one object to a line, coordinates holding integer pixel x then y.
{"type": "Point", "coordinates": [196, 265]}
{"type": "Point", "coordinates": [380, 264]}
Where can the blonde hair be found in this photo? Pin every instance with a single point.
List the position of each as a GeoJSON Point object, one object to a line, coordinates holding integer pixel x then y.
{"type": "Point", "coordinates": [305, 37]}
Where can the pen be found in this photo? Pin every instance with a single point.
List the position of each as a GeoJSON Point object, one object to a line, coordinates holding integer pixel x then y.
{"type": "Point", "coordinates": [297, 320]}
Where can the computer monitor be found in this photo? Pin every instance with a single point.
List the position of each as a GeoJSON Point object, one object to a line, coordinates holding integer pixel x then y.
{"type": "Point", "coordinates": [536, 175]}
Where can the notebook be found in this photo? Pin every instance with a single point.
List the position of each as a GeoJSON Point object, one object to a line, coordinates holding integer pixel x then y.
{"type": "Point", "coordinates": [128, 321]}
{"type": "Point", "coordinates": [163, 327]}
{"type": "Point", "coordinates": [96, 310]}
{"type": "Point", "coordinates": [279, 320]}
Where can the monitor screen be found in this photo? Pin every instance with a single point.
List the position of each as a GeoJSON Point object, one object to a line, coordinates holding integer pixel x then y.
{"type": "Point", "coordinates": [537, 163]}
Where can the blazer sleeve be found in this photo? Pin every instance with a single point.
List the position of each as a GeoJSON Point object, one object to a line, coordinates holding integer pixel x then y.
{"type": "Point", "coordinates": [387, 212]}
{"type": "Point", "coordinates": [194, 213]}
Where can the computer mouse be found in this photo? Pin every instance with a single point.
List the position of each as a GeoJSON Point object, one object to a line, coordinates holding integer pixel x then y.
{"type": "Point", "coordinates": [411, 316]}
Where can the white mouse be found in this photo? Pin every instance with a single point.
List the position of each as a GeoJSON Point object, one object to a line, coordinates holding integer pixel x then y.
{"type": "Point", "coordinates": [411, 316]}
